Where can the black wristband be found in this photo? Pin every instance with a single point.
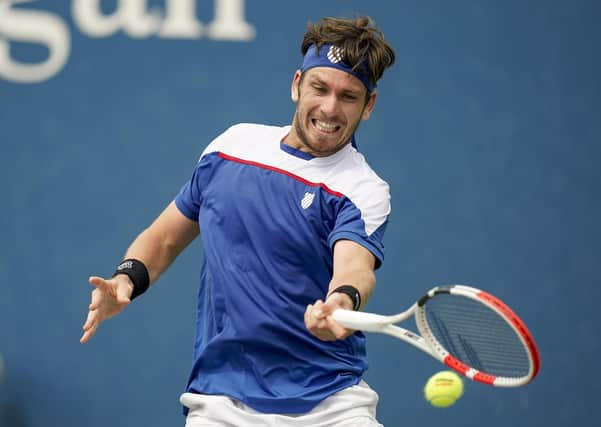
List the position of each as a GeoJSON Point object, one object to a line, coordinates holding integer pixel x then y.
{"type": "Point", "coordinates": [138, 274]}
{"type": "Point", "coordinates": [352, 292]}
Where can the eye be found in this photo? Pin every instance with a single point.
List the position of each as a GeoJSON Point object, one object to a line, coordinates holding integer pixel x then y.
{"type": "Point", "coordinates": [319, 88]}
{"type": "Point", "coordinates": [349, 97]}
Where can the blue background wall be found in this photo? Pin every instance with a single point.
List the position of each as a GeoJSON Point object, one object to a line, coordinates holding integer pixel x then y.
{"type": "Point", "coordinates": [488, 129]}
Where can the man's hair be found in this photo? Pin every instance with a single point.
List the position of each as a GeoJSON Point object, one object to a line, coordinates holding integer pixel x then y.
{"type": "Point", "coordinates": [363, 44]}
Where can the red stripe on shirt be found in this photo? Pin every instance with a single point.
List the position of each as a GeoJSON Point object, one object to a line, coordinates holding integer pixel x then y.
{"type": "Point", "coordinates": [282, 171]}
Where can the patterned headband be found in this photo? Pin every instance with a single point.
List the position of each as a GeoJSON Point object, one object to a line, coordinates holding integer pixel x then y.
{"type": "Point", "coordinates": [333, 58]}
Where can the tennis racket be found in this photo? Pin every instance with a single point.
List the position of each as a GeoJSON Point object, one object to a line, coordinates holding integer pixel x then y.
{"type": "Point", "coordinates": [469, 330]}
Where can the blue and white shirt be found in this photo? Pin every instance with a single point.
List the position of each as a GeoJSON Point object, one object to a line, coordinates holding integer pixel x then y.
{"type": "Point", "coordinates": [269, 217]}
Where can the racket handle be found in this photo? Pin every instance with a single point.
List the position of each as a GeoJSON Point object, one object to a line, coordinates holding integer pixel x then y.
{"type": "Point", "coordinates": [360, 320]}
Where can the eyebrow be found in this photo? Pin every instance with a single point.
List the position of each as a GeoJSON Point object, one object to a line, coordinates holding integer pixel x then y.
{"type": "Point", "coordinates": [317, 79]}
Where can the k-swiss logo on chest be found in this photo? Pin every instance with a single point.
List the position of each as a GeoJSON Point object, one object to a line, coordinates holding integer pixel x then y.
{"type": "Point", "coordinates": [307, 200]}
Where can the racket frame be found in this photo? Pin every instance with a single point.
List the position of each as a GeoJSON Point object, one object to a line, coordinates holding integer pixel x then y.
{"type": "Point", "coordinates": [370, 322]}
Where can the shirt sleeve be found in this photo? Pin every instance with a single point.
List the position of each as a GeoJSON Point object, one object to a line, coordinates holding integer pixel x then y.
{"type": "Point", "coordinates": [189, 198]}
{"type": "Point", "coordinates": [352, 224]}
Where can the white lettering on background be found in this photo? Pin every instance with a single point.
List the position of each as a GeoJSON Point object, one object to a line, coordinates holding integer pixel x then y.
{"type": "Point", "coordinates": [133, 17]}
{"type": "Point", "coordinates": [30, 26]}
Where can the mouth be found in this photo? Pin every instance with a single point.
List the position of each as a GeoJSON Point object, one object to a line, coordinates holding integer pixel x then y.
{"type": "Point", "coordinates": [325, 127]}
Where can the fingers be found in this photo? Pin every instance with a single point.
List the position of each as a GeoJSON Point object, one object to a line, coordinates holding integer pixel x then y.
{"type": "Point", "coordinates": [108, 299]}
{"type": "Point", "coordinates": [317, 311]}
{"type": "Point", "coordinates": [316, 321]}
{"type": "Point", "coordinates": [119, 287]}
{"type": "Point", "coordinates": [319, 322]}
{"type": "Point", "coordinates": [339, 331]}
{"type": "Point", "coordinates": [313, 315]}
{"type": "Point", "coordinates": [94, 316]}
{"type": "Point", "coordinates": [90, 326]}
{"type": "Point", "coordinates": [333, 303]}
{"type": "Point", "coordinates": [96, 299]}
{"type": "Point", "coordinates": [88, 334]}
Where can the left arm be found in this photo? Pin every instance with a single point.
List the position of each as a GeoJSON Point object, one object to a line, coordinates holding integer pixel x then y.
{"type": "Point", "coordinates": [353, 265]}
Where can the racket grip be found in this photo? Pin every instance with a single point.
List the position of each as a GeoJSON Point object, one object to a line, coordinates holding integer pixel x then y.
{"type": "Point", "coordinates": [360, 320]}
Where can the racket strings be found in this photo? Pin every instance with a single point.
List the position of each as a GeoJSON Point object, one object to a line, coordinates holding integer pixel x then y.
{"type": "Point", "coordinates": [476, 335]}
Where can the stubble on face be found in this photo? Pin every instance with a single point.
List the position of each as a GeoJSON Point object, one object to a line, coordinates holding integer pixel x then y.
{"type": "Point", "coordinates": [317, 149]}
{"type": "Point", "coordinates": [320, 147]}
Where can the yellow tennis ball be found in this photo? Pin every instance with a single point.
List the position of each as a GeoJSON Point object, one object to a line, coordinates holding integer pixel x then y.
{"type": "Point", "coordinates": [443, 389]}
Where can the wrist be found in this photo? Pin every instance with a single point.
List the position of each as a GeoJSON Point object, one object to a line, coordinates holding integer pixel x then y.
{"type": "Point", "coordinates": [136, 271]}
{"type": "Point", "coordinates": [353, 294]}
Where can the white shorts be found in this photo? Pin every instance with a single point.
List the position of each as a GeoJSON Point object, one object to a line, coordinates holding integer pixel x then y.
{"type": "Point", "coordinates": [352, 407]}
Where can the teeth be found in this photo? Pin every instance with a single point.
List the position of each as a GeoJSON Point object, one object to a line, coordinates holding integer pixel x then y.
{"type": "Point", "coordinates": [324, 126]}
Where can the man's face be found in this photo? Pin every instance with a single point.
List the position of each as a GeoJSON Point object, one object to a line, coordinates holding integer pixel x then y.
{"type": "Point", "coordinates": [330, 104]}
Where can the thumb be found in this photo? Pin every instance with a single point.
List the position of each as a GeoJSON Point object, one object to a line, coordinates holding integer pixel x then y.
{"type": "Point", "coordinates": [330, 305]}
{"type": "Point", "coordinates": [97, 281]}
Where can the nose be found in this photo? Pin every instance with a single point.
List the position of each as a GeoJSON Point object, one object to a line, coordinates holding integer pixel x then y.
{"type": "Point", "coordinates": [329, 105]}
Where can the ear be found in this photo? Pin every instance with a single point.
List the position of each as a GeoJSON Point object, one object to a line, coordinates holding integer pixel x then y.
{"type": "Point", "coordinates": [369, 107]}
{"type": "Point", "coordinates": [294, 93]}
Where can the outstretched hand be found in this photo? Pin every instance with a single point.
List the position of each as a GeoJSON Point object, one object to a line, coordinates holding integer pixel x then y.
{"type": "Point", "coordinates": [319, 321]}
{"type": "Point", "coordinates": [109, 298]}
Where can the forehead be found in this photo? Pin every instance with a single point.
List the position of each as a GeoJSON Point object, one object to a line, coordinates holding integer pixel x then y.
{"type": "Point", "coordinates": [334, 78]}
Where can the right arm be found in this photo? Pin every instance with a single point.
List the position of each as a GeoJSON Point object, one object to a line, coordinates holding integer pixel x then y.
{"type": "Point", "coordinates": [157, 247]}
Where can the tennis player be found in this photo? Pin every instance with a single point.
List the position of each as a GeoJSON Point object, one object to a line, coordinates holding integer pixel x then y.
{"type": "Point", "coordinates": [291, 220]}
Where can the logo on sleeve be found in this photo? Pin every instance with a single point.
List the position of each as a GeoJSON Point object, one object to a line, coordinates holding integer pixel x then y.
{"type": "Point", "coordinates": [307, 200]}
